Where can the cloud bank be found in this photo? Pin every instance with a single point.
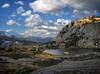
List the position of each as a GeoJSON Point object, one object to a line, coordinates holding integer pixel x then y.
{"type": "Point", "coordinates": [45, 6]}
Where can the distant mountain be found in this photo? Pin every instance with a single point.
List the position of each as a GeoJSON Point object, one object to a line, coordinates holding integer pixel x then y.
{"type": "Point", "coordinates": [12, 39]}
{"type": "Point", "coordinates": [81, 33]}
{"type": "Point", "coordinates": [39, 39]}
{"type": "Point", "coordinates": [6, 37]}
{"type": "Point", "coordinates": [2, 33]}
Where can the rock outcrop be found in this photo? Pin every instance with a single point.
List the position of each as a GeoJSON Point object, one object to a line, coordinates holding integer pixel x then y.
{"type": "Point", "coordinates": [72, 67]}
{"type": "Point", "coordinates": [81, 33]}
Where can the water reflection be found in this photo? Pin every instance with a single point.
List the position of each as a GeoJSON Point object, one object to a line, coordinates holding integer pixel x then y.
{"type": "Point", "coordinates": [56, 51]}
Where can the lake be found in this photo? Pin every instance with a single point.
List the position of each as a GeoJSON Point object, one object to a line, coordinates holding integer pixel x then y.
{"type": "Point", "coordinates": [56, 51]}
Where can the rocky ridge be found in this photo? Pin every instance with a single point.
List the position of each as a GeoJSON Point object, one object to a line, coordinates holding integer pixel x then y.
{"type": "Point", "coordinates": [81, 33]}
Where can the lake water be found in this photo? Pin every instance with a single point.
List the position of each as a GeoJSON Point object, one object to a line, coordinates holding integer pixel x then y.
{"type": "Point", "coordinates": [56, 51]}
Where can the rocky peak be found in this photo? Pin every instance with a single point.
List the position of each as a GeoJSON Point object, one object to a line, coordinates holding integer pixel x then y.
{"type": "Point", "coordinates": [83, 33]}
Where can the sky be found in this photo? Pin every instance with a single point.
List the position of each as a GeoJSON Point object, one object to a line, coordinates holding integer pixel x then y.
{"type": "Point", "coordinates": [43, 18]}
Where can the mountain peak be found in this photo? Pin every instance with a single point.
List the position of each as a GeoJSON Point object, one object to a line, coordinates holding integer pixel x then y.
{"type": "Point", "coordinates": [81, 33]}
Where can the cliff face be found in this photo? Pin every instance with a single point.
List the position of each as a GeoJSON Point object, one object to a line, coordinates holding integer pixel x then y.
{"type": "Point", "coordinates": [81, 33]}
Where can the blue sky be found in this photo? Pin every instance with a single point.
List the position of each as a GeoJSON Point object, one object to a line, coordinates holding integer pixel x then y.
{"type": "Point", "coordinates": [43, 18]}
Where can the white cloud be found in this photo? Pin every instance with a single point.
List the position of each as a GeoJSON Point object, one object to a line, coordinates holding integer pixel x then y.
{"type": "Point", "coordinates": [11, 22]}
{"type": "Point", "coordinates": [34, 32]}
{"type": "Point", "coordinates": [90, 12]}
{"type": "Point", "coordinates": [40, 30]}
{"type": "Point", "coordinates": [75, 11]}
{"type": "Point", "coordinates": [78, 13]}
{"type": "Point", "coordinates": [35, 26]}
{"type": "Point", "coordinates": [37, 32]}
{"type": "Point", "coordinates": [50, 21]}
{"type": "Point", "coordinates": [27, 13]}
{"type": "Point", "coordinates": [8, 31]}
{"type": "Point", "coordinates": [6, 5]}
{"type": "Point", "coordinates": [49, 27]}
{"type": "Point", "coordinates": [62, 22]}
{"type": "Point", "coordinates": [19, 2]}
{"type": "Point", "coordinates": [45, 6]}
{"type": "Point", "coordinates": [20, 10]}
{"type": "Point", "coordinates": [13, 15]}
{"type": "Point", "coordinates": [33, 20]}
